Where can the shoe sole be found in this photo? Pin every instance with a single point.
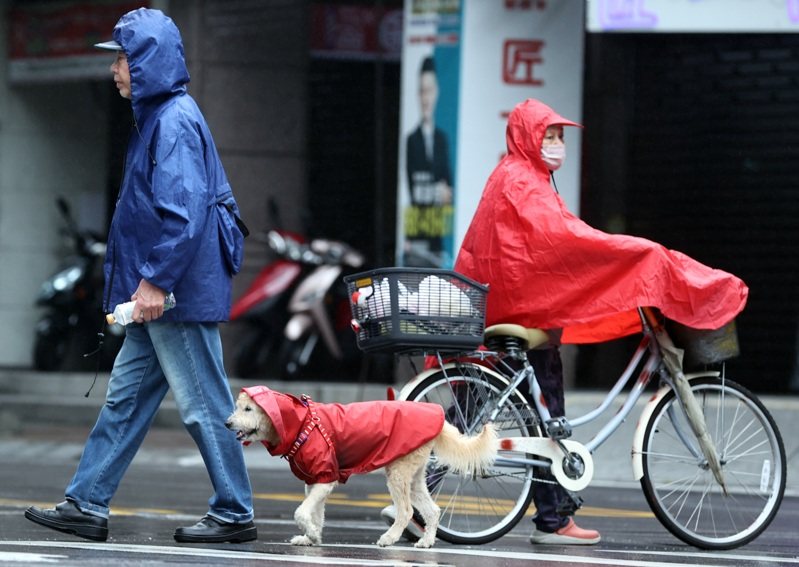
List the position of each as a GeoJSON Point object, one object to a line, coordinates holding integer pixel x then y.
{"type": "Point", "coordinates": [552, 539]}
{"type": "Point", "coordinates": [249, 534]}
{"type": "Point", "coordinates": [92, 533]}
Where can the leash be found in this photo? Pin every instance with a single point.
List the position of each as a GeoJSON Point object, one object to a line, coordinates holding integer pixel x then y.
{"type": "Point", "coordinates": [312, 421]}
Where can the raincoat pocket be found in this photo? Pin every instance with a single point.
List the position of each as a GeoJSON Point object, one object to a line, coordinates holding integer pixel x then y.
{"type": "Point", "coordinates": [232, 229]}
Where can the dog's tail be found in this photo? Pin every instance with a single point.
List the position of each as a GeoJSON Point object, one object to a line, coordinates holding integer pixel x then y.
{"type": "Point", "coordinates": [466, 454]}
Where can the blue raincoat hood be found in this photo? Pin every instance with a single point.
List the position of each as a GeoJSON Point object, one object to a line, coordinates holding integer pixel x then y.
{"type": "Point", "coordinates": [156, 60]}
{"type": "Point", "coordinates": [175, 218]}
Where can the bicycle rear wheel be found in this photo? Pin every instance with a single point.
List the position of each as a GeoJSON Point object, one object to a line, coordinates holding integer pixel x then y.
{"type": "Point", "coordinates": [680, 487]}
{"type": "Point", "coordinates": [479, 509]}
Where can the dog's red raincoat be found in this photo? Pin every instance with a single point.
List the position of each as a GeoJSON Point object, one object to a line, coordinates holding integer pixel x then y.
{"type": "Point", "coordinates": [363, 436]}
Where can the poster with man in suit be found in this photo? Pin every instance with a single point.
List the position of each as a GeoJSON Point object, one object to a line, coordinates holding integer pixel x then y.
{"type": "Point", "coordinates": [428, 217]}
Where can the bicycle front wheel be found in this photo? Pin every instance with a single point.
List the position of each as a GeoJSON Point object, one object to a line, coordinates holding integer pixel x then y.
{"type": "Point", "coordinates": [682, 490]}
{"type": "Point", "coordinates": [479, 509]}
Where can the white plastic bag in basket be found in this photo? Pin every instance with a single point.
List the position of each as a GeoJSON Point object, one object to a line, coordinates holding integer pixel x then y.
{"type": "Point", "coordinates": [439, 297]}
{"type": "Point", "coordinates": [408, 301]}
{"type": "Point", "coordinates": [382, 299]}
{"type": "Point", "coordinates": [378, 303]}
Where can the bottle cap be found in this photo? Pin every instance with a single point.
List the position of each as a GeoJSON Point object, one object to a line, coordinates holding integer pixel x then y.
{"type": "Point", "coordinates": [110, 319]}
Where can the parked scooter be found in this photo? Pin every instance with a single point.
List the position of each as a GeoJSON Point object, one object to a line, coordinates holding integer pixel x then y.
{"type": "Point", "coordinates": [72, 298]}
{"type": "Point", "coordinates": [263, 306]}
{"type": "Point", "coordinates": [318, 341]}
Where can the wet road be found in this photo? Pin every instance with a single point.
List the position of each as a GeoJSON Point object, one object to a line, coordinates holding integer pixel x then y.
{"type": "Point", "coordinates": [167, 487]}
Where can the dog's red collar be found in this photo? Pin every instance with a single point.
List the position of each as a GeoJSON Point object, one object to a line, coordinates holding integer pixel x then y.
{"type": "Point", "coordinates": [312, 421]}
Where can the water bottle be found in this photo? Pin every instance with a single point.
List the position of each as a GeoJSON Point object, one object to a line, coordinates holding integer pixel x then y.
{"type": "Point", "coordinates": [123, 313]}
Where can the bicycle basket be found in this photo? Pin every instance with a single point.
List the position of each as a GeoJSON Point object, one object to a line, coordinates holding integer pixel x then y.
{"type": "Point", "coordinates": [704, 346]}
{"type": "Point", "coordinates": [407, 309]}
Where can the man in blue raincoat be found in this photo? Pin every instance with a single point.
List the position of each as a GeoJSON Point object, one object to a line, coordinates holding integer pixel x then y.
{"type": "Point", "coordinates": [175, 230]}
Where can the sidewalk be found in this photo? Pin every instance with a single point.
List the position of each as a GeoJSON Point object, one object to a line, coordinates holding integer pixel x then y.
{"type": "Point", "coordinates": [51, 410]}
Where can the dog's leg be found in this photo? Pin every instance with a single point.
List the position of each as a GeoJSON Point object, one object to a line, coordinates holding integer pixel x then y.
{"type": "Point", "coordinates": [399, 487]}
{"type": "Point", "coordinates": [310, 514]}
{"type": "Point", "coordinates": [318, 514]}
{"type": "Point", "coordinates": [426, 506]}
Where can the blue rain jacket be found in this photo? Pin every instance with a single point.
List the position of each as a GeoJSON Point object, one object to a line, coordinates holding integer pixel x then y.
{"type": "Point", "coordinates": [175, 218]}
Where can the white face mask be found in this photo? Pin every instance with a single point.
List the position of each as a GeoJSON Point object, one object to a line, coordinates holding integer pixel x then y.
{"type": "Point", "coordinates": [553, 156]}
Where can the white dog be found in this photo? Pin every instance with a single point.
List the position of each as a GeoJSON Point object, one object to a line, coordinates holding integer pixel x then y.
{"type": "Point", "coordinates": [326, 443]}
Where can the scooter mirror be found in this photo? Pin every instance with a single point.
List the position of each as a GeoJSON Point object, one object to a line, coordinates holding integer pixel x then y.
{"type": "Point", "coordinates": [276, 242]}
{"type": "Point", "coordinates": [321, 246]}
{"type": "Point", "coordinates": [353, 259]}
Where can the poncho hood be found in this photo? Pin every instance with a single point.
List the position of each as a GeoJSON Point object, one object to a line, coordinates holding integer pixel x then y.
{"type": "Point", "coordinates": [527, 124]}
{"type": "Point", "coordinates": [157, 63]}
{"type": "Point", "coordinates": [548, 269]}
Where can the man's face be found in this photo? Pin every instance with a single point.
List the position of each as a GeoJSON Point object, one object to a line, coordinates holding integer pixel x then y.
{"type": "Point", "coordinates": [121, 74]}
{"type": "Point", "coordinates": [428, 94]}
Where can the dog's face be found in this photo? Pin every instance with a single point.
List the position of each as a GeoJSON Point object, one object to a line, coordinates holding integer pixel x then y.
{"type": "Point", "coordinates": [250, 422]}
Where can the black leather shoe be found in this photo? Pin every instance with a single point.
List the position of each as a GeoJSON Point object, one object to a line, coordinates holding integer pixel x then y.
{"type": "Point", "coordinates": [67, 517]}
{"type": "Point", "coordinates": [211, 530]}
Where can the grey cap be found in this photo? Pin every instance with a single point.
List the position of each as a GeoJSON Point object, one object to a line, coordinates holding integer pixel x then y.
{"type": "Point", "coordinates": [110, 45]}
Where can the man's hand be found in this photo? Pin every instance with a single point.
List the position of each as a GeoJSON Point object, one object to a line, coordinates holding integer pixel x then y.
{"type": "Point", "coordinates": [149, 302]}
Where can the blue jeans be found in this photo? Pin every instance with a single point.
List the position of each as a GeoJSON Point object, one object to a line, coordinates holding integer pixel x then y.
{"type": "Point", "coordinates": [157, 356]}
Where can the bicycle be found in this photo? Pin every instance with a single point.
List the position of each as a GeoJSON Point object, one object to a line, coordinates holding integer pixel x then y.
{"type": "Point", "coordinates": [709, 456]}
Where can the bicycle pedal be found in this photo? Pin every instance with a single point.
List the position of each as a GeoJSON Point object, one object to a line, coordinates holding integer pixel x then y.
{"type": "Point", "coordinates": [559, 428]}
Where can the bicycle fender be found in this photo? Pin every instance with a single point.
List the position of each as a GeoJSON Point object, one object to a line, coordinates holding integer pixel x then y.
{"type": "Point", "coordinates": [646, 415]}
{"type": "Point", "coordinates": [409, 386]}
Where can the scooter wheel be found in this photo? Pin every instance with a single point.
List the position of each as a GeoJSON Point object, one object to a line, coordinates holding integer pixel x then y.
{"type": "Point", "coordinates": [49, 352]}
{"type": "Point", "coordinates": [255, 351]}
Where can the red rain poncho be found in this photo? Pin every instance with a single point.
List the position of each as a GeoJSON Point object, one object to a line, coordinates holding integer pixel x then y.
{"type": "Point", "coordinates": [364, 436]}
{"type": "Point", "coordinates": [548, 269]}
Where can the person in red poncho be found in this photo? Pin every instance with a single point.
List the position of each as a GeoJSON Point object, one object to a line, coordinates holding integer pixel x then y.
{"type": "Point", "coordinates": [548, 269]}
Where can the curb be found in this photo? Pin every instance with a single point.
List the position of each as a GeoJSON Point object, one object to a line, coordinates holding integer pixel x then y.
{"type": "Point", "coordinates": [60, 398]}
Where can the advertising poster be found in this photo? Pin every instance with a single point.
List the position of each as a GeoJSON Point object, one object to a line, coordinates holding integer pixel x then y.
{"type": "Point", "coordinates": [427, 189]}
{"type": "Point", "coordinates": [465, 65]}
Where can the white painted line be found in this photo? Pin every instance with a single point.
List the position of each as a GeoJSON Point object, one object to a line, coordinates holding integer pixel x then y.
{"type": "Point", "coordinates": [537, 557]}
{"type": "Point", "coordinates": [709, 554]}
{"type": "Point", "coordinates": [9, 557]}
{"type": "Point", "coordinates": [486, 553]}
{"type": "Point", "coordinates": [204, 552]}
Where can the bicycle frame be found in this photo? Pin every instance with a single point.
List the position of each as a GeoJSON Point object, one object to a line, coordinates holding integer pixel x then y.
{"type": "Point", "coordinates": [560, 452]}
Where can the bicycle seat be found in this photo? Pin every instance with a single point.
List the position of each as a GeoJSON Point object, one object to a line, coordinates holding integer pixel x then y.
{"type": "Point", "coordinates": [531, 338]}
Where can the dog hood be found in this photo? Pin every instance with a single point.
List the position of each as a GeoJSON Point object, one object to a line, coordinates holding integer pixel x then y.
{"type": "Point", "coordinates": [287, 413]}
